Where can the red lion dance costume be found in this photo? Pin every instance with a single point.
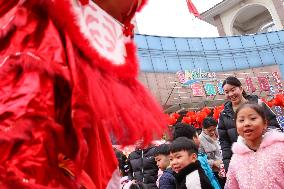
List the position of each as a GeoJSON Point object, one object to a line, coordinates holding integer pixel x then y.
{"type": "Point", "coordinates": [68, 73]}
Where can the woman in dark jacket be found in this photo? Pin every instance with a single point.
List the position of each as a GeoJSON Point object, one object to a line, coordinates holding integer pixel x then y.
{"type": "Point", "coordinates": [122, 162]}
{"type": "Point", "coordinates": [142, 167]}
{"type": "Point", "coordinates": [236, 95]}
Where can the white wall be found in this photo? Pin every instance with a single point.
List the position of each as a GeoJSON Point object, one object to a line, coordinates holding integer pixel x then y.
{"type": "Point", "coordinates": [229, 16]}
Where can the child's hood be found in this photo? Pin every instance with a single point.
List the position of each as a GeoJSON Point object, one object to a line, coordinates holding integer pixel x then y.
{"type": "Point", "coordinates": [270, 137]}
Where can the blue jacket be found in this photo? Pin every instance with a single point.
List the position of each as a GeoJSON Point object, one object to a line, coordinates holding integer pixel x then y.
{"type": "Point", "coordinates": [208, 171]}
{"type": "Point", "coordinates": [167, 180]}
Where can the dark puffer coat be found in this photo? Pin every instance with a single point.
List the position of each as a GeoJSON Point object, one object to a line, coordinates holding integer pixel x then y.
{"type": "Point", "coordinates": [143, 168]}
{"type": "Point", "coordinates": [227, 127]}
{"type": "Point", "coordinates": [167, 180]}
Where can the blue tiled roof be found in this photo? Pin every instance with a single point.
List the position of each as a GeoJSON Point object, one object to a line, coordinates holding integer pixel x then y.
{"type": "Point", "coordinates": [171, 54]}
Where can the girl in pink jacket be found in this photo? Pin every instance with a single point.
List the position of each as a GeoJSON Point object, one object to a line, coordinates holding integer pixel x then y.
{"type": "Point", "coordinates": [258, 155]}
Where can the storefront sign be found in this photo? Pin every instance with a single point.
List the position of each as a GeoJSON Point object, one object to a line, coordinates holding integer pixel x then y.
{"type": "Point", "coordinates": [195, 80]}
{"type": "Point", "coordinates": [188, 77]}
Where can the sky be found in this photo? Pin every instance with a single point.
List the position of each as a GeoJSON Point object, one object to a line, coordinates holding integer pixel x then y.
{"type": "Point", "coordinates": [172, 18]}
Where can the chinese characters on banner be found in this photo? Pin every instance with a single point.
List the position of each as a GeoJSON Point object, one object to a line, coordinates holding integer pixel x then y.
{"type": "Point", "coordinates": [197, 90]}
{"type": "Point", "coordinates": [220, 88]}
{"type": "Point", "coordinates": [181, 77]}
{"type": "Point", "coordinates": [263, 83]}
{"type": "Point", "coordinates": [210, 89]}
{"type": "Point", "coordinates": [250, 86]}
{"type": "Point", "coordinates": [278, 82]}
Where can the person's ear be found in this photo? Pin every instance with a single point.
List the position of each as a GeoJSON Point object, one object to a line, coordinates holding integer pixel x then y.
{"type": "Point", "coordinates": [194, 156]}
{"type": "Point", "coordinates": [265, 124]}
{"type": "Point", "coordinates": [241, 88]}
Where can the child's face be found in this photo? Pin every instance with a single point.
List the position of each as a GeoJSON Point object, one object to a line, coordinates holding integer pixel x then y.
{"type": "Point", "coordinates": [162, 161]}
{"type": "Point", "coordinates": [250, 125]}
{"type": "Point", "coordinates": [181, 159]}
{"type": "Point", "coordinates": [210, 131]}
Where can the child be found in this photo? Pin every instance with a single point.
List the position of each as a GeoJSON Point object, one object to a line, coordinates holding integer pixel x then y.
{"type": "Point", "coordinates": [188, 171]}
{"type": "Point", "coordinates": [210, 146]}
{"type": "Point", "coordinates": [142, 166]}
{"type": "Point", "coordinates": [167, 180]}
{"type": "Point", "coordinates": [258, 155]}
{"type": "Point", "coordinates": [188, 131]}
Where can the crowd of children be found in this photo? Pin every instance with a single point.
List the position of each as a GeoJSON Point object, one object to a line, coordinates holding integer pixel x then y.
{"type": "Point", "coordinates": [195, 161]}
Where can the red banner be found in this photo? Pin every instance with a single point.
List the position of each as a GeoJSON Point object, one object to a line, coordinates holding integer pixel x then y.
{"type": "Point", "coordinates": [192, 9]}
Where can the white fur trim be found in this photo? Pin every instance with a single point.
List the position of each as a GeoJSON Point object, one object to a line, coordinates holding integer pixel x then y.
{"type": "Point", "coordinates": [104, 33]}
{"type": "Point", "coordinates": [192, 180]}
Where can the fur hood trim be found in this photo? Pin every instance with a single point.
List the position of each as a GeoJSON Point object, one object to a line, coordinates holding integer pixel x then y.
{"type": "Point", "coordinates": [269, 138]}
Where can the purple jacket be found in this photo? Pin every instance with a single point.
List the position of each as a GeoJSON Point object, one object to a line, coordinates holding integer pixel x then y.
{"type": "Point", "coordinates": [261, 169]}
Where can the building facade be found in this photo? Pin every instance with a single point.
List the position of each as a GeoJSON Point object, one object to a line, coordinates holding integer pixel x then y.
{"type": "Point", "coordinates": [239, 17]}
{"type": "Point", "coordinates": [187, 72]}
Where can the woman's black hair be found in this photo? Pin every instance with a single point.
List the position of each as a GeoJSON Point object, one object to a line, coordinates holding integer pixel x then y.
{"type": "Point", "coordinates": [122, 162]}
{"type": "Point", "coordinates": [183, 144]}
{"type": "Point", "coordinates": [231, 80]}
{"type": "Point", "coordinates": [184, 130]}
{"type": "Point", "coordinates": [208, 122]}
{"type": "Point", "coordinates": [255, 106]}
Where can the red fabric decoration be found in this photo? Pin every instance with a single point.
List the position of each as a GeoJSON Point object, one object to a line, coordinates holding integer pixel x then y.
{"type": "Point", "coordinates": [171, 120]}
{"type": "Point", "coordinates": [196, 118]}
{"type": "Point", "coordinates": [279, 100]}
{"type": "Point", "coordinates": [128, 30]}
{"type": "Point", "coordinates": [187, 120]}
{"type": "Point", "coordinates": [142, 4]}
{"type": "Point", "coordinates": [60, 96]}
{"type": "Point", "coordinates": [192, 9]}
{"type": "Point", "coordinates": [176, 115]}
{"type": "Point", "coordinates": [84, 2]}
{"type": "Point", "coordinates": [270, 104]}
{"type": "Point", "coordinates": [217, 110]}
{"type": "Point", "coordinates": [206, 110]}
{"type": "Point", "coordinates": [200, 116]}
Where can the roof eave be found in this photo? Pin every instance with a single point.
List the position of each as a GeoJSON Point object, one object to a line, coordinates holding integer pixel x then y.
{"type": "Point", "coordinates": [208, 16]}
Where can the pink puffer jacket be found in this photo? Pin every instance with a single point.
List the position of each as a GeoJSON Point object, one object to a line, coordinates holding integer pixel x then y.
{"type": "Point", "coordinates": [261, 169]}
